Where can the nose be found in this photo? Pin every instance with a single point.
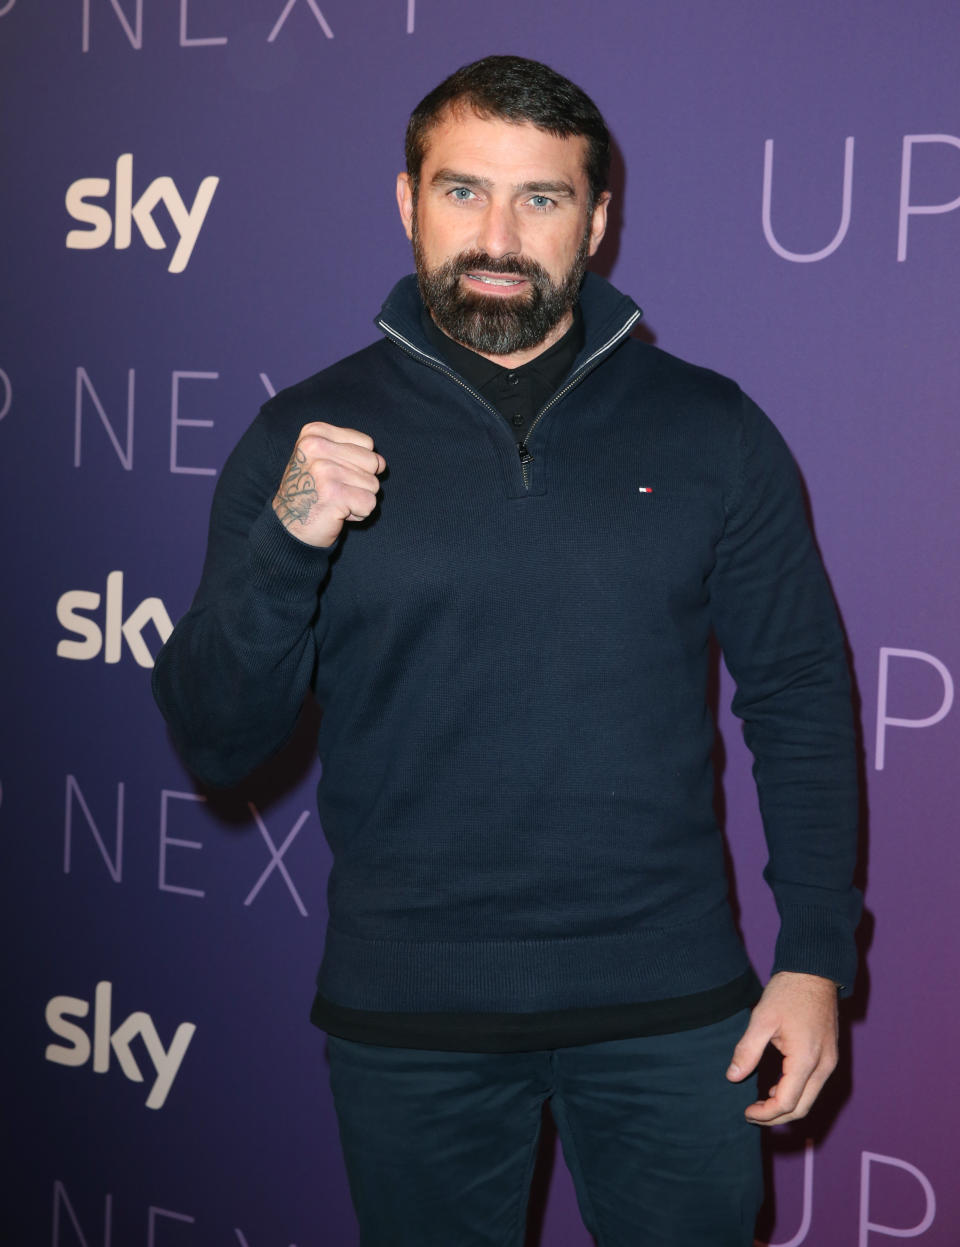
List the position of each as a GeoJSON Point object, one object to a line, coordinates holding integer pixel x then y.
{"type": "Point", "coordinates": [499, 235]}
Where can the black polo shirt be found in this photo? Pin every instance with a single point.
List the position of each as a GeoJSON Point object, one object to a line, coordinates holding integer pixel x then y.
{"type": "Point", "coordinates": [517, 393]}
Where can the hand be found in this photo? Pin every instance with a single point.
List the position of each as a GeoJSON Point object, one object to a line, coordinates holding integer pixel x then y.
{"type": "Point", "coordinates": [331, 478]}
{"type": "Point", "coordinates": [797, 1013]}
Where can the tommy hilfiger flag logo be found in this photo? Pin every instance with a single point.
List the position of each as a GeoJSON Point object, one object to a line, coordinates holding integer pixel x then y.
{"type": "Point", "coordinates": [645, 489]}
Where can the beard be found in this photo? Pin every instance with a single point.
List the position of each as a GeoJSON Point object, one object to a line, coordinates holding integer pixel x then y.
{"type": "Point", "coordinates": [491, 324]}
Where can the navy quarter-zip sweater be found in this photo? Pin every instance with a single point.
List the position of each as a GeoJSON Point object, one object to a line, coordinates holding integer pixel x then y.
{"type": "Point", "coordinates": [512, 658]}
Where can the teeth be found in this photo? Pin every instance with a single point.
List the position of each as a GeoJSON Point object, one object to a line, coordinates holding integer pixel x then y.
{"type": "Point", "coordinates": [496, 281]}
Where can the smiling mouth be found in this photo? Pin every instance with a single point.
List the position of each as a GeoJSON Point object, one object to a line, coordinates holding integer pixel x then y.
{"type": "Point", "coordinates": [495, 281]}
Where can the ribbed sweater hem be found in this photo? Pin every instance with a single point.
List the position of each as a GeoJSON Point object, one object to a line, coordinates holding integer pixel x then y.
{"type": "Point", "coordinates": [648, 963]}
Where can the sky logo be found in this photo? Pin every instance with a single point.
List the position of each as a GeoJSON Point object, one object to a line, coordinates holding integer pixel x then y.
{"type": "Point", "coordinates": [89, 639]}
{"type": "Point", "coordinates": [111, 1041]}
{"type": "Point", "coordinates": [129, 213]}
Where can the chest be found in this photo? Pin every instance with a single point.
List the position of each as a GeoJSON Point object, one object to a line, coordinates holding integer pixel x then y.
{"type": "Point", "coordinates": [615, 507]}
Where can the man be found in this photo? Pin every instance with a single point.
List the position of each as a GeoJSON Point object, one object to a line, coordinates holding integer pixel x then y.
{"type": "Point", "coordinates": [510, 643]}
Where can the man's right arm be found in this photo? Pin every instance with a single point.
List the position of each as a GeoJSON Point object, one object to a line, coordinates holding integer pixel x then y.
{"type": "Point", "coordinates": [232, 677]}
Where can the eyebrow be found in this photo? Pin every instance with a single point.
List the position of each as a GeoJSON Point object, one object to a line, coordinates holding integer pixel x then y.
{"type": "Point", "coordinates": [450, 177]}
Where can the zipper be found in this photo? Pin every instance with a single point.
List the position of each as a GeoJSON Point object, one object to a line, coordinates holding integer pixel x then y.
{"type": "Point", "coordinates": [587, 366]}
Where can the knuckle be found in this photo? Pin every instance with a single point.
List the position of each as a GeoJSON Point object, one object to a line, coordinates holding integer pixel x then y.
{"type": "Point", "coordinates": [309, 447]}
{"type": "Point", "coordinates": [311, 432]}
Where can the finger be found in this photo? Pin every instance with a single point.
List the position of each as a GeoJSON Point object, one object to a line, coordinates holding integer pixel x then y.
{"type": "Point", "coordinates": [359, 501]}
{"type": "Point", "coordinates": [791, 1098]}
{"type": "Point", "coordinates": [357, 457]}
{"type": "Point", "coordinates": [317, 449]}
{"type": "Point", "coordinates": [809, 1097]}
{"type": "Point", "coordinates": [785, 1095]}
{"type": "Point", "coordinates": [815, 1084]}
{"type": "Point", "coordinates": [749, 1050]}
{"type": "Point", "coordinates": [336, 433]}
{"type": "Point", "coordinates": [770, 1112]}
{"type": "Point", "coordinates": [329, 477]}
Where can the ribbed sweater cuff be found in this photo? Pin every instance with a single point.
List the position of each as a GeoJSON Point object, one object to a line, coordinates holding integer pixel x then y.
{"type": "Point", "coordinates": [288, 569]}
{"type": "Point", "coordinates": [817, 940]}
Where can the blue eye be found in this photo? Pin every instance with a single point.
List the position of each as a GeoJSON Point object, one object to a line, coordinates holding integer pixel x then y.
{"type": "Point", "coordinates": [462, 193]}
{"type": "Point", "coordinates": [541, 202]}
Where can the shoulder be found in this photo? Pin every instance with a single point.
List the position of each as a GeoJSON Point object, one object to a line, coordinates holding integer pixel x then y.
{"type": "Point", "coordinates": [607, 313]}
{"type": "Point", "coordinates": [686, 404]}
{"type": "Point", "coordinates": [679, 379]}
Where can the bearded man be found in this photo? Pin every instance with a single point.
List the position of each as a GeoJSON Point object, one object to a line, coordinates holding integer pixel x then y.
{"type": "Point", "coordinates": [510, 641]}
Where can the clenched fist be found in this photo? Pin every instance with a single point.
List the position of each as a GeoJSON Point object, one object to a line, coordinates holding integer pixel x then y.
{"type": "Point", "coordinates": [331, 478]}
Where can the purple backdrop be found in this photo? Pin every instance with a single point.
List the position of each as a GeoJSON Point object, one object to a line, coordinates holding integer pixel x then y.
{"type": "Point", "coordinates": [197, 208]}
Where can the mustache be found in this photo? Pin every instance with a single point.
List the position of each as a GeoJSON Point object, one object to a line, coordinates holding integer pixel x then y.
{"type": "Point", "coordinates": [515, 266]}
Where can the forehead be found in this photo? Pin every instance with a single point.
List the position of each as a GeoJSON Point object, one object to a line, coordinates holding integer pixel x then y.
{"type": "Point", "coordinates": [502, 151]}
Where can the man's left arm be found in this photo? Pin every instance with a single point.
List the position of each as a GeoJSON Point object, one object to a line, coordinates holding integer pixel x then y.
{"type": "Point", "coordinates": [777, 624]}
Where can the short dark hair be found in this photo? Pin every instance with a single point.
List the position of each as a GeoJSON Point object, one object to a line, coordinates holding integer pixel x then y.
{"type": "Point", "coordinates": [515, 89]}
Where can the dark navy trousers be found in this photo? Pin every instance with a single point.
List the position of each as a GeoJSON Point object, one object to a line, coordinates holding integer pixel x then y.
{"type": "Point", "coordinates": [440, 1146]}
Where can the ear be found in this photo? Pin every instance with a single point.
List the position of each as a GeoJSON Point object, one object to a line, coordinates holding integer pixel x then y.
{"type": "Point", "coordinates": [598, 221]}
{"type": "Point", "coordinates": [405, 202]}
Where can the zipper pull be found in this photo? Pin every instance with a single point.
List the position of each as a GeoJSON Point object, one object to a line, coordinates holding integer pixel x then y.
{"type": "Point", "coordinates": [525, 455]}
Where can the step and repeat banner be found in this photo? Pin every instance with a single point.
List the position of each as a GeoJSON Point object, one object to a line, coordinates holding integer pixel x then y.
{"type": "Point", "coordinates": [197, 209]}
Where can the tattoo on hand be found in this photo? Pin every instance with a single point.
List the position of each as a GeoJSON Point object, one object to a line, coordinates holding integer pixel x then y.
{"type": "Point", "coordinates": [297, 492]}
